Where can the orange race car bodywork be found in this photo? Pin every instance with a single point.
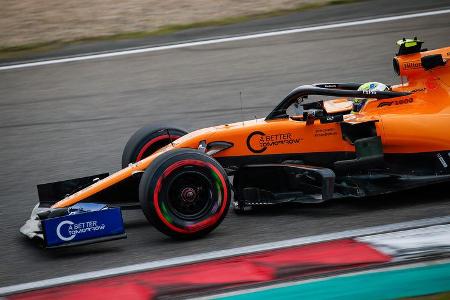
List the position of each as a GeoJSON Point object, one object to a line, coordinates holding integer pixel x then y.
{"type": "Point", "coordinates": [399, 140]}
{"type": "Point", "coordinates": [410, 126]}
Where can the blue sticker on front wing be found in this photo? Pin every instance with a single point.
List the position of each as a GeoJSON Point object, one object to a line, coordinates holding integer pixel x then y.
{"type": "Point", "coordinates": [84, 226]}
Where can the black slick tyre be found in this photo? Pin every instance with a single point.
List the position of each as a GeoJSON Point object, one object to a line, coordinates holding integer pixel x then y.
{"type": "Point", "coordinates": [147, 140]}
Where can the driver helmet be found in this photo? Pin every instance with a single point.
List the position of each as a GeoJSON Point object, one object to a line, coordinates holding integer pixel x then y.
{"type": "Point", "coordinates": [358, 103]}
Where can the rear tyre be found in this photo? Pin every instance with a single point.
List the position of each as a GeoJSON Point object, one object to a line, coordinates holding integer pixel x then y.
{"type": "Point", "coordinates": [147, 140]}
{"type": "Point", "coordinates": [185, 193]}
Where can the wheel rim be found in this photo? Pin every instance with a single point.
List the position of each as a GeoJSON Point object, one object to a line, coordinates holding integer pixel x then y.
{"type": "Point", "coordinates": [219, 203]}
{"type": "Point", "coordinates": [189, 194]}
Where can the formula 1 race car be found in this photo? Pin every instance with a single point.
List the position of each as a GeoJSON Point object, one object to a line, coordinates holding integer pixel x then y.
{"type": "Point", "coordinates": [306, 151]}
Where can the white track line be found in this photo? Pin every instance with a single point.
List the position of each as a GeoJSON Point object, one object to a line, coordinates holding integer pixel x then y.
{"type": "Point", "coordinates": [225, 40]}
{"type": "Point", "coordinates": [219, 254]}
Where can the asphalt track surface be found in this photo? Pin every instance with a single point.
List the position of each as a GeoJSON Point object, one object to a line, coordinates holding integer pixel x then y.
{"type": "Point", "coordinates": [73, 119]}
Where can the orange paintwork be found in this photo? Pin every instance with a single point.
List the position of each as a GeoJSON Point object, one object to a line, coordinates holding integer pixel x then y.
{"type": "Point", "coordinates": [419, 122]}
{"type": "Point", "coordinates": [415, 123]}
{"type": "Point", "coordinates": [338, 105]}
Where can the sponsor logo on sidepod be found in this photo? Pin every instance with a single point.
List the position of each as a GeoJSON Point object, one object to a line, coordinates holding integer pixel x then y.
{"type": "Point", "coordinates": [68, 230]}
{"type": "Point", "coordinates": [258, 141]}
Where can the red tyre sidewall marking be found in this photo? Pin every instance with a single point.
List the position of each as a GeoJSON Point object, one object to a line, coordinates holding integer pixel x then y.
{"type": "Point", "coordinates": [204, 223]}
{"type": "Point", "coordinates": [152, 141]}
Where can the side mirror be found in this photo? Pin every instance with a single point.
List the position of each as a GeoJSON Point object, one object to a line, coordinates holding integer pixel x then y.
{"type": "Point", "coordinates": [312, 114]}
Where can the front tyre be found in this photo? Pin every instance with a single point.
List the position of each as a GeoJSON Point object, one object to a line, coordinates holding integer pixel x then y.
{"type": "Point", "coordinates": [185, 193]}
{"type": "Point", "coordinates": [147, 141]}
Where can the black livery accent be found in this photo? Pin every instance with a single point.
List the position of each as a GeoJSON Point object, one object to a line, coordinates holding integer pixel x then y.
{"type": "Point", "coordinates": [305, 90]}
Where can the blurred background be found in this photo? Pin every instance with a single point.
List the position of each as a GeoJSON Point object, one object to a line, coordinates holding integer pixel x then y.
{"type": "Point", "coordinates": [72, 119]}
{"type": "Point", "coordinates": [45, 25]}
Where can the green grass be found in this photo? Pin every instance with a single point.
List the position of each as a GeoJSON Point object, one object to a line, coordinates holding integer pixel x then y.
{"type": "Point", "coordinates": [37, 48]}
